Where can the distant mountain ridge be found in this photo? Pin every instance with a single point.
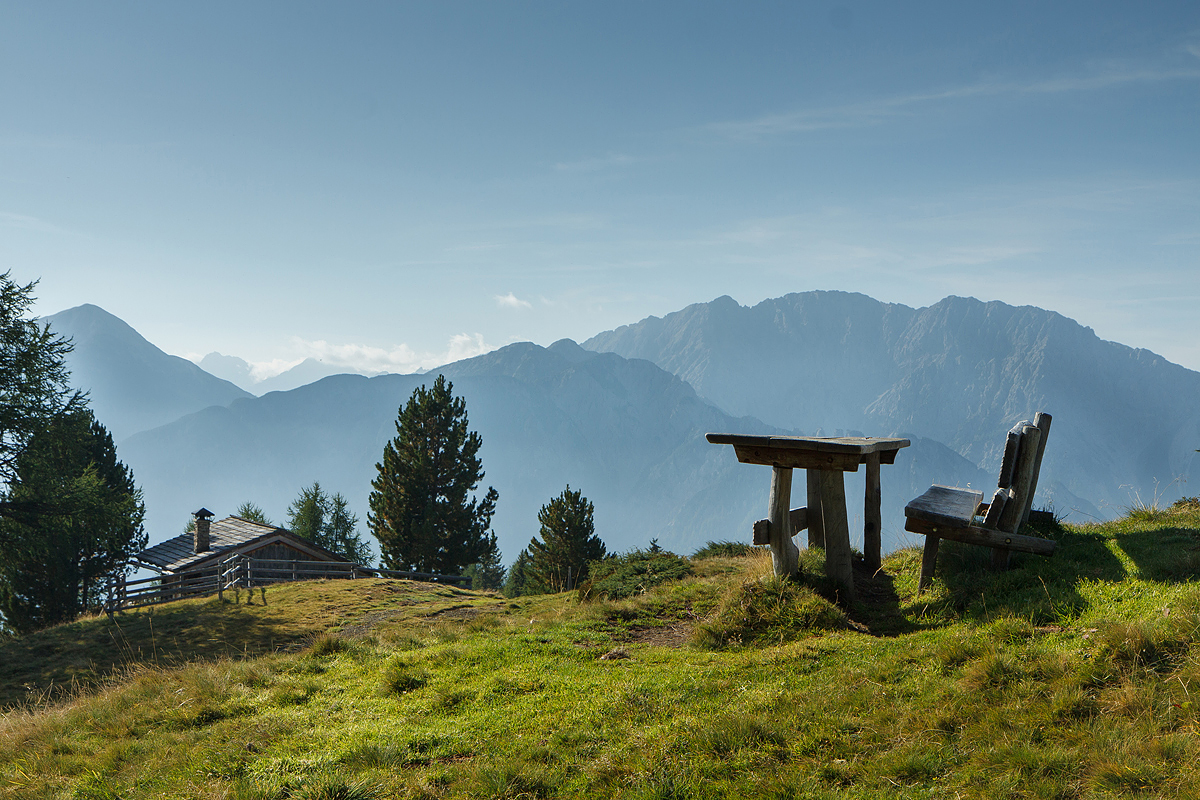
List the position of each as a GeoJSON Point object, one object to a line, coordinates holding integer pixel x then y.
{"type": "Point", "coordinates": [619, 421]}
{"type": "Point", "coordinates": [133, 386]}
{"type": "Point", "coordinates": [960, 371]}
{"type": "Point", "coordinates": [625, 432]}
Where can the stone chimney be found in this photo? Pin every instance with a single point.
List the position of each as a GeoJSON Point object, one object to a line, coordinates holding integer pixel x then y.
{"type": "Point", "coordinates": [200, 539]}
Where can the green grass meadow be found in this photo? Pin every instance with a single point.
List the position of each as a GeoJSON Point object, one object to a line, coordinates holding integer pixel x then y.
{"type": "Point", "coordinates": [1076, 676]}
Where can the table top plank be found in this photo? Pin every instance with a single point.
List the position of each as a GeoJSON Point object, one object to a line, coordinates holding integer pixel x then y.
{"type": "Point", "coordinates": [847, 445]}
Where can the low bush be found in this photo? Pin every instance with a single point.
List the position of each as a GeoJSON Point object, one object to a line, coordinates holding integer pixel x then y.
{"type": "Point", "coordinates": [1186, 504]}
{"type": "Point", "coordinates": [723, 550]}
{"type": "Point", "coordinates": [632, 573]}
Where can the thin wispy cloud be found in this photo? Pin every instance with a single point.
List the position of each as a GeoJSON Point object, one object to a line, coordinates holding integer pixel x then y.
{"type": "Point", "coordinates": [597, 164]}
{"type": "Point", "coordinates": [27, 222]}
{"type": "Point", "coordinates": [510, 300]}
{"type": "Point", "coordinates": [874, 112]}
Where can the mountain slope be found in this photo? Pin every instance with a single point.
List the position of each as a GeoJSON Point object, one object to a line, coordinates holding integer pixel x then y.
{"type": "Point", "coordinates": [960, 371]}
{"type": "Point", "coordinates": [132, 385]}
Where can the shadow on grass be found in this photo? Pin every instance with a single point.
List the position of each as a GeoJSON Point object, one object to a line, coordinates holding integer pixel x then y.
{"type": "Point", "coordinates": [878, 604]}
{"type": "Point", "coordinates": [81, 655]}
{"type": "Point", "coordinates": [1045, 589]}
{"type": "Point", "coordinates": [877, 607]}
{"type": "Point", "coordinates": [1163, 549]}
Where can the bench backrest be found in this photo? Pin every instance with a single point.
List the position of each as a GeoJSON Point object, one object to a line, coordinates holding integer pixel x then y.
{"type": "Point", "coordinates": [1019, 472]}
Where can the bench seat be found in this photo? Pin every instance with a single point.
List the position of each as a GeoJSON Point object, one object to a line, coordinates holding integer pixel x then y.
{"type": "Point", "coordinates": [948, 512]}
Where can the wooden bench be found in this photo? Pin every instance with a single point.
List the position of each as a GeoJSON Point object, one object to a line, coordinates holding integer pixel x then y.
{"type": "Point", "coordinates": [946, 512]}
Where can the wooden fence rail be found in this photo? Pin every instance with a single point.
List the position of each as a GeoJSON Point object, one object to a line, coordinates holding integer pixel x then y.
{"type": "Point", "coordinates": [240, 572]}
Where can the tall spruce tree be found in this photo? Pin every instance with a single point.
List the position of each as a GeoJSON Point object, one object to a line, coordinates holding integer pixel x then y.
{"type": "Point", "coordinates": [422, 507]}
{"type": "Point", "coordinates": [55, 565]}
{"type": "Point", "coordinates": [559, 561]}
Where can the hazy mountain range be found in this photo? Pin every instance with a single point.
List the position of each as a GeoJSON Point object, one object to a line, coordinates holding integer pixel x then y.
{"type": "Point", "coordinates": [627, 425]}
{"type": "Point", "coordinates": [960, 371]}
{"type": "Point", "coordinates": [239, 372]}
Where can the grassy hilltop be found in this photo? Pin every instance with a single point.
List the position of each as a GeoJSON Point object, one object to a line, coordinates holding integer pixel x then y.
{"type": "Point", "coordinates": [1067, 677]}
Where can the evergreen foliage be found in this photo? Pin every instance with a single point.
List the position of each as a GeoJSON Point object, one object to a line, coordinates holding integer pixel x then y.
{"type": "Point", "coordinates": [326, 520]}
{"type": "Point", "coordinates": [252, 512]}
{"type": "Point", "coordinates": [488, 572]}
{"type": "Point", "coordinates": [34, 389]}
{"type": "Point", "coordinates": [517, 580]}
{"type": "Point", "coordinates": [55, 565]}
{"type": "Point", "coordinates": [422, 509]}
{"type": "Point", "coordinates": [559, 561]}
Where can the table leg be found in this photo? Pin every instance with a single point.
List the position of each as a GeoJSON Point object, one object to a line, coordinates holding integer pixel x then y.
{"type": "Point", "coordinates": [816, 521]}
{"type": "Point", "coordinates": [785, 557]}
{"type": "Point", "coordinates": [838, 564]}
{"type": "Point", "coordinates": [872, 518]}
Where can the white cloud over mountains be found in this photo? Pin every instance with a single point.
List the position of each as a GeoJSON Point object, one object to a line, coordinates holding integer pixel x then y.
{"type": "Point", "coordinates": [400, 358]}
{"type": "Point", "coordinates": [368, 359]}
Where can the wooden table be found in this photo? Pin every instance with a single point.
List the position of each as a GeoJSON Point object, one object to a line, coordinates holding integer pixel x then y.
{"type": "Point", "coordinates": [824, 460]}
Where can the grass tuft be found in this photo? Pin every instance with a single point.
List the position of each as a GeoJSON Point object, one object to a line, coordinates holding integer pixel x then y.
{"type": "Point", "coordinates": [728, 734]}
{"type": "Point", "coordinates": [1143, 644]}
{"type": "Point", "coordinates": [326, 644]}
{"type": "Point", "coordinates": [401, 677]}
{"type": "Point", "coordinates": [335, 789]}
{"type": "Point", "coordinates": [770, 611]}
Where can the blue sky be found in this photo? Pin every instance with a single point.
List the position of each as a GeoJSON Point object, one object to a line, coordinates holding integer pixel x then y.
{"type": "Point", "coordinates": [393, 185]}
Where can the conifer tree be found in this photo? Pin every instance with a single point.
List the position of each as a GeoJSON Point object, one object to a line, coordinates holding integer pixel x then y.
{"type": "Point", "coordinates": [326, 520]}
{"type": "Point", "coordinates": [488, 572]}
{"type": "Point", "coordinates": [249, 511]}
{"type": "Point", "coordinates": [422, 507]}
{"type": "Point", "coordinates": [34, 391]}
{"type": "Point", "coordinates": [516, 583]}
{"type": "Point", "coordinates": [569, 543]}
{"type": "Point", "coordinates": [55, 565]}
{"type": "Point", "coordinates": [341, 528]}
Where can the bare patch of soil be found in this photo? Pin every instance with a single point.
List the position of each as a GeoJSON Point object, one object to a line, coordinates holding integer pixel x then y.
{"type": "Point", "coordinates": [463, 612]}
{"type": "Point", "coordinates": [367, 622]}
{"type": "Point", "coordinates": [674, 635]}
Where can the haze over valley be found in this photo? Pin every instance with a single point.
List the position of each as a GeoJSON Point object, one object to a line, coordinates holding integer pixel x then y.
{"type": "Point", "coordinates": [623, 416]}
